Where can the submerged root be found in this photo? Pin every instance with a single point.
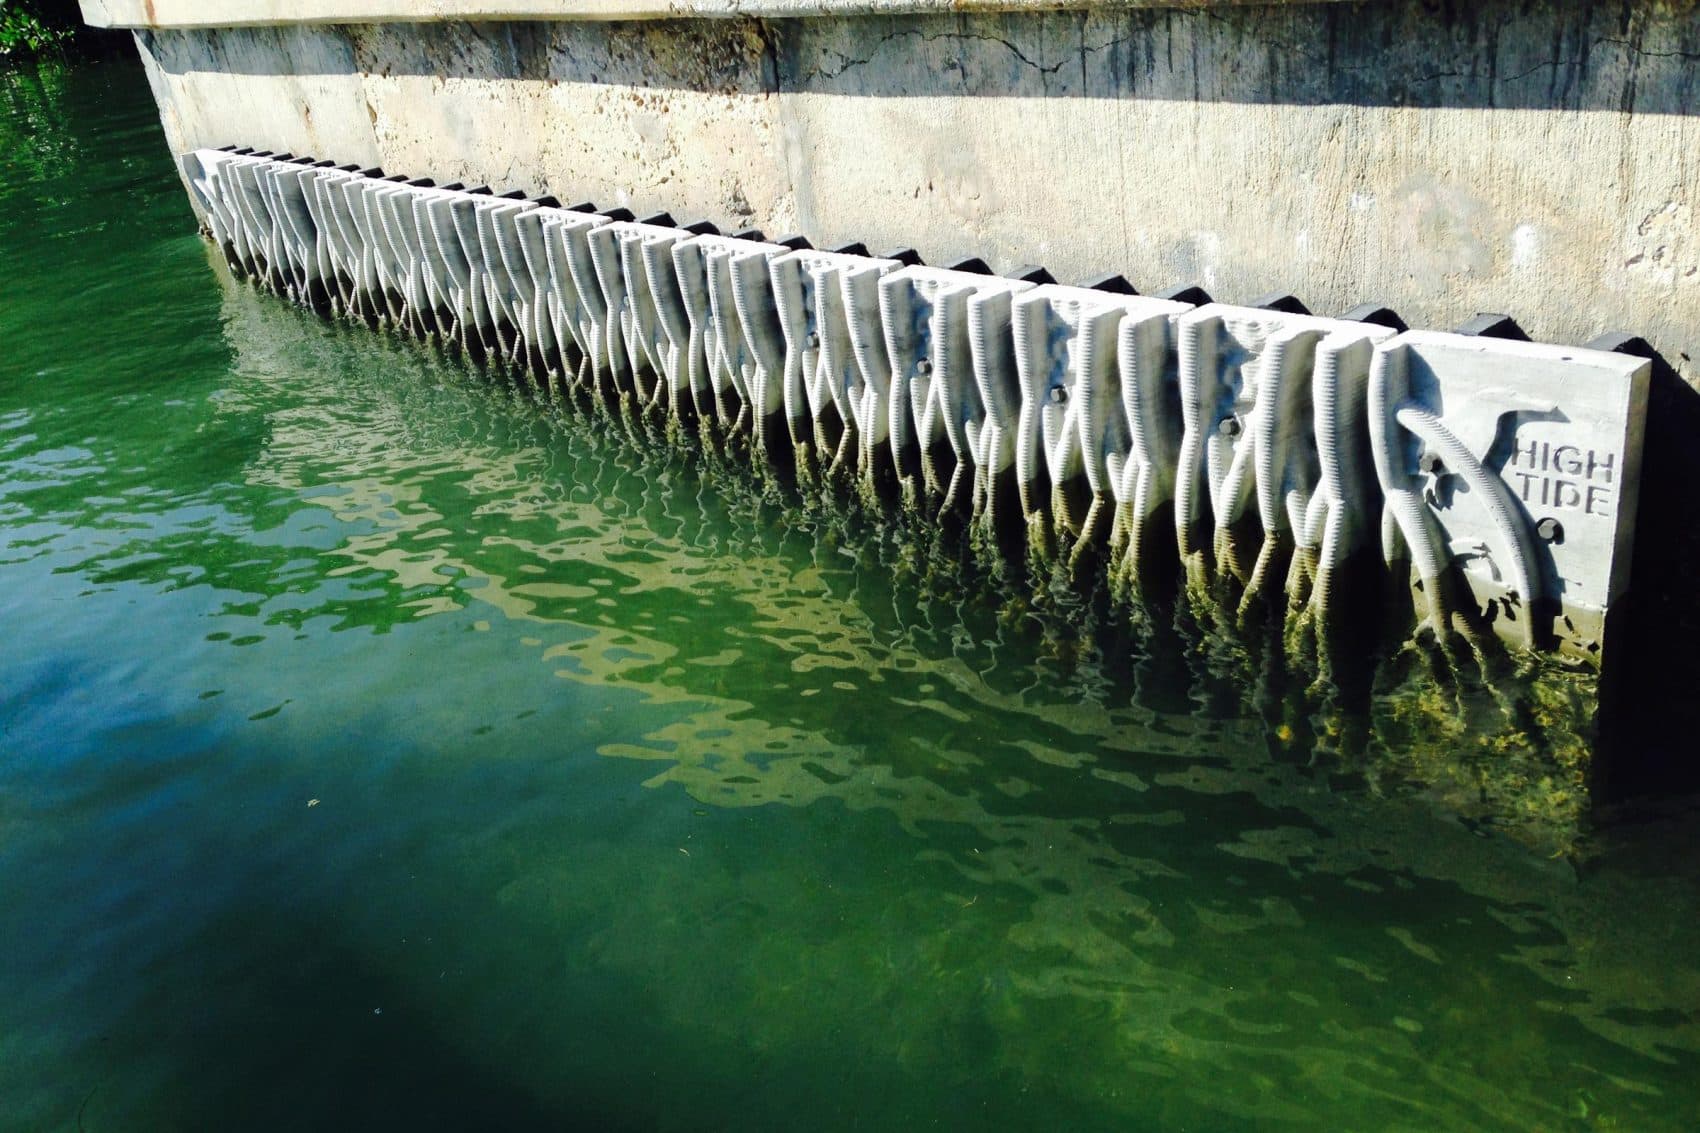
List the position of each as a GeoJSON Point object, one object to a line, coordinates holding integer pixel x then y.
{"type": "Point", "coordinates": [1122, 573]}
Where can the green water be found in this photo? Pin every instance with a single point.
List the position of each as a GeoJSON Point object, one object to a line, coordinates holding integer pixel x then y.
{"type": "Point", "coordinates": [380, 749]}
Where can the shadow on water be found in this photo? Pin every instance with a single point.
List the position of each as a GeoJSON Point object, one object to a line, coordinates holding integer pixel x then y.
{"type": "Point", "coordinates": [1650, 715]}
{"type": "Point", "coordinates": [285, 1021]}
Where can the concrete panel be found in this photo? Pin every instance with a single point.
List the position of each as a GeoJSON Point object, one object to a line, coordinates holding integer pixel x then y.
{"type": "Point", "coordinates": [1255, 454]}
{"type": "Point", "coordinates": [936, 406]}
{"type": "Point", "coordinates": [1517, 465]}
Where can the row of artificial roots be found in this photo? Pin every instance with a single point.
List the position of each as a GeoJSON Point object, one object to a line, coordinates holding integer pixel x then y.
{"type": "Point", "coordinates": [1257, 454]}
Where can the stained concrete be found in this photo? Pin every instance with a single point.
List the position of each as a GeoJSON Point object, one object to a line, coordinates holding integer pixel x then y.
{"type": "Point", "coordinates": [261, 13]}
{"type": "Point", "coordinates": [1534, 158]}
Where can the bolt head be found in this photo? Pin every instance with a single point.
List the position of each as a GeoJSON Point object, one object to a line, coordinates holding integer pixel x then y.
{"type": "Point", "coordinates": [1431, 463]}
{"type": "Point", "coordinates": [1058, 395]}
{"type": "Point", "coordinates": [1550, 530]}
{"type": "Point", "coordinates": [812, 341]}
{"type": "Point", "coordinates": [1229, 427]}
{"type": "Point", "coordinates": [924, 366]}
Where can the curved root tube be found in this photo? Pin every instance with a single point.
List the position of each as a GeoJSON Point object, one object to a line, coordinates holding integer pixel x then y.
{"type": "Point", "coordinates": [1123, 553]}
{"type": "Point", "coordinates": [1230, 555]}
{"type": "Point", "coordinates": [1258, 583]}
{"type": "Point", "coordinates": [843, 457]}
{"type": "Point", "coordinates": [955, 487]}
{"type": "Point", "coordinates": [1196, 578]}
{"type": "Point", "coordinates": [1491, 490]}
{"type": "Point", "coordinates": [1301, 576]}
{"type": "Point", "coordinates": [1259, 577]}
{"type": "Point", "coordinates": [1088, 532]}
{"type": "Point", "coordinates": [1411, 519]}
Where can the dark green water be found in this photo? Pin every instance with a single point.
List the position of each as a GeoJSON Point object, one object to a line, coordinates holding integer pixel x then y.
{"type": "Point", "coordinates": [379, 749]}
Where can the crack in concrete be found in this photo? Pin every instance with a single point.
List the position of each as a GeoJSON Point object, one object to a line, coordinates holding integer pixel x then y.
{"type": "Point", "coordinates": [849, 63]}
{"type": "Point", "coordinates": [1644, 53]}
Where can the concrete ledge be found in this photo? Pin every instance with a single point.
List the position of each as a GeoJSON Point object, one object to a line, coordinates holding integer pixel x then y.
{"type": "Point", "coordinates": [261, 13]}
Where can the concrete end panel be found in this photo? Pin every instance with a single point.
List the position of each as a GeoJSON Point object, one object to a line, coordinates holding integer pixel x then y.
{"type": "Point", "coordinates": [1520, 464]}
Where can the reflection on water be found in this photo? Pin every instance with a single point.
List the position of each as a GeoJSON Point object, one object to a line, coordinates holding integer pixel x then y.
{"type": "Point", "coordinates": [393, 748]}
{"type": "Point", "coordinates": [1511, 753]}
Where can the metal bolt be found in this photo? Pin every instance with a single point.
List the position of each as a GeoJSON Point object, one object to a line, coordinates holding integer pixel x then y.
{"type": "Point", "coordinates": [1059, 395]}
{"type": "Point", "coordinates": [924, 366]}
{"type": "Point", "coordinates": [1431, 463]}
{"type": "Point", "coordinates": [1550, 530]}
{"type": "Point", "coordinates": [1229, 427]}
{"type": "Point", "coordinates": [812, 341]}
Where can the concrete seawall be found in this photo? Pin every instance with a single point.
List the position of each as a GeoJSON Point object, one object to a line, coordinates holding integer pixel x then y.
{"type": "Point", "coordinates": [1534, 159]}
{"type": "Point", "coordinates": [1528, 158]}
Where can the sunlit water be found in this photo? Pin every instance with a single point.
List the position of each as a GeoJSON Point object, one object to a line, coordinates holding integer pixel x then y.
{"type": "Point", "coordinates": [381, 749]}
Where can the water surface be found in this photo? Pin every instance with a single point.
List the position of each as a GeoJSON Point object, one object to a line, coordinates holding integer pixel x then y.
{"type": "Point", "coordinates": [380, 748]}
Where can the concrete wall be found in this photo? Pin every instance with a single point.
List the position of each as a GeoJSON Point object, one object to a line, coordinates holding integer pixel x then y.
{"type": "Point", "coordinates": [260, 13]}
{"type": "Point", "coordinates": [1533, 158]}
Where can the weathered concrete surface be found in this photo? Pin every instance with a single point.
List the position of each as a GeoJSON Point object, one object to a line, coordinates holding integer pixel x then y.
{"type": "Point", "coordinates": [262, 13]}
{"type": "Point", "coordinates": [1536, 158]}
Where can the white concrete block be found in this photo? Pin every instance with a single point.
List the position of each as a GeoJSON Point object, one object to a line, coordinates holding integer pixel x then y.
{"type": "Point", "coordinates": [1512, 466]}
{"type": "Point", "coordinates": [820, 378]}
{"type": "Point", "coordinates": [703, 266]}
{"type": "Point", "coordinates": [576, 305]}
{"type": "Point", "coordinates": [1249, 461]}
{"type": "Point", "coordinates": [933, 399]}
{"type": "Point", "coordinates": [1098, 398]}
